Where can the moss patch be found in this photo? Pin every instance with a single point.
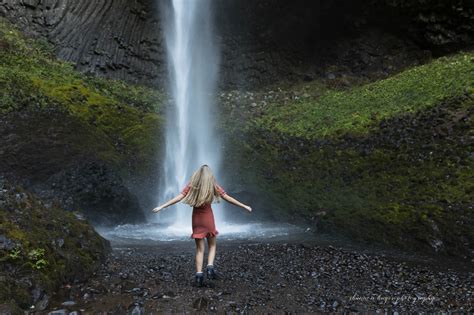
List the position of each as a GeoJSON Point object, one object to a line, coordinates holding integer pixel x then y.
{"type": "Point", "coordinates": [43, 247]}
{"type": "Point", "coordinates": [125, 116]}
{"type": "Point", "coordinates": [399, 172]}
{"type": "Point", "coordinates": [354, 111]}
{"type": "Point", "coordinates": [402, 186]}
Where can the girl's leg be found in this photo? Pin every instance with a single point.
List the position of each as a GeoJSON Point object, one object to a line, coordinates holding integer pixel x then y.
{"type": "Point", "coordinates": [211, 243]}
{"type": "Point", "coordinates": [199, 253]}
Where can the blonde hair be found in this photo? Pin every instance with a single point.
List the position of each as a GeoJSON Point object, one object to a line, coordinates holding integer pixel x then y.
{"type": "Point", "coordinates": [203, 188]}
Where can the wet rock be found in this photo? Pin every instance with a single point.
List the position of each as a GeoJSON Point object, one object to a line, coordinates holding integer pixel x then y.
{"type": "Point", "coordinates": [94, 187]}
{"type": "Point", "coordinates": [200, 303]}
{"type": "Point", "coordinates": [136, 309]}
{"type": "Point", "coordinates": [60, 172]}
{"type": "Point", "coordinates": [123, 275]}
{"type": "Point", "coordinates": [6, 243]}
{"type": "Point", "coordinates": [43, 303]}
{"type": "Point", "coordinates": [59, 312]}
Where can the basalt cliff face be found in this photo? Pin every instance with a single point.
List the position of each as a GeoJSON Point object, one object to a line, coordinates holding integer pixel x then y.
{"type": "Point", "coordinates": [113, 38]}
{"type": "Point", "coordinates": [262, 41]}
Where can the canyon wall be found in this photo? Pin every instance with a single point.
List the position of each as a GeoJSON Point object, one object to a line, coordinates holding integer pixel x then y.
{"type": "Point", "coordinates": [262, 41]}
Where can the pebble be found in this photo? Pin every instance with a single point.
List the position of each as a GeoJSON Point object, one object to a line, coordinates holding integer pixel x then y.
{"type": "Point", "coordinates": [275, 277]}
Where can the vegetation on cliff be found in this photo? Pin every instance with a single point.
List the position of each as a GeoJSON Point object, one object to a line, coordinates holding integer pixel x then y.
{"type": "Point", "coordinates": [71, 137]}
{"type": "Point", "coordinates": [387, 161]}
{"type": "Point", "coordinates": [125, 117]}
{"type": "Point", "coordinates": [356, 110]}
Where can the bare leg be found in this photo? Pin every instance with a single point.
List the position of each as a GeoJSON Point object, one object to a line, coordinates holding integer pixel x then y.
{"type": "Point", "coordinates": [211, 243]}
{"type": "Point", "coordinates": [199, 253]}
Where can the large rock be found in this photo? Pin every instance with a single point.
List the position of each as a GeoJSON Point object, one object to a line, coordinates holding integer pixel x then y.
{"type": "Point", "coordinates": [63, 160]}
{"type": "Point", "coordinates": [97, 191]}
{"type": "Point", "coordinates": [42, 247]}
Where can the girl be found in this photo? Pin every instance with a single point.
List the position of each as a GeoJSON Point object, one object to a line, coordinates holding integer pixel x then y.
{"type": "Point", "coordinates": [199, 193]}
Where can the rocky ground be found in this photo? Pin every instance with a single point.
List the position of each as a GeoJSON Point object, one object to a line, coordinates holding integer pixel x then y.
{"type": "Point", "coordinates": [269, 277]}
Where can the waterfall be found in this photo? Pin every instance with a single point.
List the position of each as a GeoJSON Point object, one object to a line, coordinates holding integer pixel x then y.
{"type": "Point", "coordinates": [191, 140]}
{"type": "Point", "coordinates": [190, 137]}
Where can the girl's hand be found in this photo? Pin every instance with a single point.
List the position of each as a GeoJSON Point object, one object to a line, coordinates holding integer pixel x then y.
{"type": "Point", "coordinates": [249, 209]}
{"type": "Point", "coordinates": [157, 209]}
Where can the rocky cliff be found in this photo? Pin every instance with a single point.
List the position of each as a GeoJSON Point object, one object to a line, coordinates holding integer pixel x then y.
{"type": "Point", "coordinates": [119, 39]}
{"type": "Point", "coordinates": [387, 161]}
{"type": "Point", "coordinates": [72, 138]}
{"type": "Point", "coordinates": [261, 41]}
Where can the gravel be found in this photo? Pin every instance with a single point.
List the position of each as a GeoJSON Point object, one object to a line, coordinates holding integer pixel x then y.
{"type": "Point", "coordinates": [270, 277]}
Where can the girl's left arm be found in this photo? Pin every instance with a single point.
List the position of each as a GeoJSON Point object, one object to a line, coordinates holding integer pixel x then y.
{"type": "Point", "coordinates": [169, 203]}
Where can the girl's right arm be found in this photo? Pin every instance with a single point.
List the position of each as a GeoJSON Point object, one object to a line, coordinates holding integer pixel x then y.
{"type": "Point", "coordinates": [228, 198]}
{"type": "Point", "coordinates": [169, 203]}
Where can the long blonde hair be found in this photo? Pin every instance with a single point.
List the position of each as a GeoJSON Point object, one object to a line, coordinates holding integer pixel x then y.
{"type": "Point", "coordinates": [203, 188]}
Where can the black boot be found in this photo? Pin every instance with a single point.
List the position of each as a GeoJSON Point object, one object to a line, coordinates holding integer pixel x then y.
{"type": "Point", "coordinates": [199, 279]}
{"type": "Point", "coordinates": [211, 273]}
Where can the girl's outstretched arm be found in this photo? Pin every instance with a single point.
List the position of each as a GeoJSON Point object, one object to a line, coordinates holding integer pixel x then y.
{"type": "Point", "coordinates": [228, 198]}
{"type": "Point", "coordinates": [169, 203]}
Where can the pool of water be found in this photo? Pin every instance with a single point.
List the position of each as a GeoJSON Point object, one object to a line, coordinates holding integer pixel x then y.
{"type": "Point", "coordinates": [177, 237]}
{"type": "Point", "coordinates": [157, 232]}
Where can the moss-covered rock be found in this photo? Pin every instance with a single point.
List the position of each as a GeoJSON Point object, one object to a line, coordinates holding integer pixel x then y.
{"type": "Point", "coordinates": [126, 117]}
{"type": "Point", "coordinates": [355, 110]}
{"type": "Point", "coordinates": [42, 247]}
{"type": "Point", "coordinates": [386, 162]}
{"type": "Point", "coordinates": [58, 123]}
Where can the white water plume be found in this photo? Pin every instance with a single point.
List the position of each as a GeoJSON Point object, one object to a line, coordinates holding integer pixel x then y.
{"type": "Point", "coordinates": [190, 135]}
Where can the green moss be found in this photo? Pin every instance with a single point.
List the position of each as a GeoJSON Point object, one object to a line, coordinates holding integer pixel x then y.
{"type": "Point", "coordinates": [14, 233]}
{"type": "Point", "coordinates": [38, 254]}
{"type": "Point", "coordinates": [387, 161]}
{"type": "Point", "coordinates": [356, 110]}
{"type": "Point", "coordinates": [126, 117]}
{"type": "Point", "coordinates": [406, 183]}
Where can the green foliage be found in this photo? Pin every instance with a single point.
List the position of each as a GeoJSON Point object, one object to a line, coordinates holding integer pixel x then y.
{"type": "Point", "coordinates": [15, 253]}
{"type": "Point", "coordinates": [355, 111]}
{"type": "Point", "coordinates": [36, 258]}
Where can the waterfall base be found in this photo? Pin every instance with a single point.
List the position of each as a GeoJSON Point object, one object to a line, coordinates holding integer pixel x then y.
{"type": "Point", "coordinates": [150, 233]}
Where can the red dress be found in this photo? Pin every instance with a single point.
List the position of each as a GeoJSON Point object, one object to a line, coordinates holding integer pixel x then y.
{"type": "Point", "coordinates": [203, 218]}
